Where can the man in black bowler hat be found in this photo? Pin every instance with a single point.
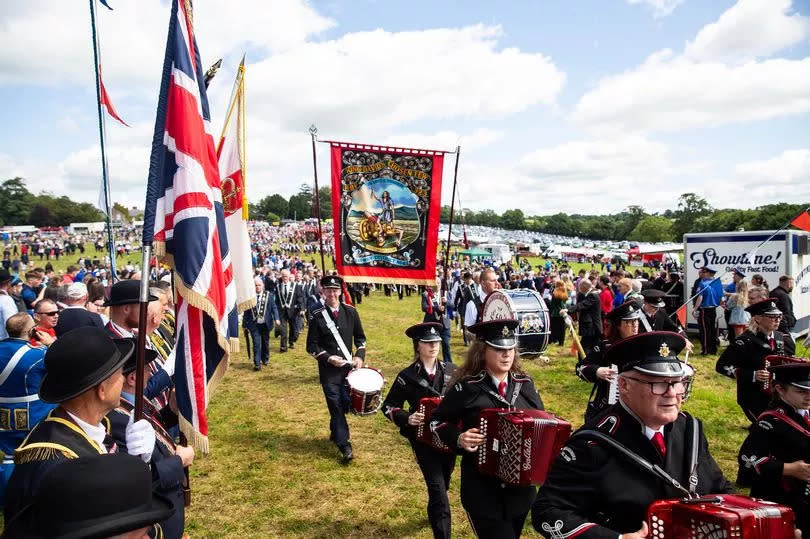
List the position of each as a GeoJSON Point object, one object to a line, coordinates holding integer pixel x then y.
{"type": "Point", "coordinates": [84, 375]}
{"type": "Point", "coordinates": [335, 358]}
{"type": "Point", "coordinates": [95, 496]}
{"type": "Point", "coordinates": [594, 489]}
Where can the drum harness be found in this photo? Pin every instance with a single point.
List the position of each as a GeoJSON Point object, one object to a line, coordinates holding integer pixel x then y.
{"type": "Point", "coordinates": [342, 345]}
{"type": "Point", "coordinates": [655, 469]}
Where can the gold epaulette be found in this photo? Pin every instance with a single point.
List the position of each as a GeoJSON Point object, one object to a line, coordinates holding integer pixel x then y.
{"type": "Point", "coordinates": [42, 451]}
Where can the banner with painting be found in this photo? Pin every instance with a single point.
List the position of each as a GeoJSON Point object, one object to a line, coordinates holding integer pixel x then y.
{"type": "Point", "coordinates": [386, 204]}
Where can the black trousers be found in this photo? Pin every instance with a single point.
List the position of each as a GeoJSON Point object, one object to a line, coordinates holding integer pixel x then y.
{"type": "Point", "coordinates": [486, 527]}
{"type": "Point", "coordinates": [557, 330]}
{"type": "Point", "coordinates": [289, 330]}
{"type": "Point", "coordinates": [437, 468]}
{"type": "Point", "coordinates": [707, 327]}
{"type": "Point", "coordinates": [337, 401]}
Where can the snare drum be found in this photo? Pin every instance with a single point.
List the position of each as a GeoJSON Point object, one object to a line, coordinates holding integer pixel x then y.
{"type": "Point", "coordinates": [365, 390]}
{"type": "Point", "coordinates": [528, 308]}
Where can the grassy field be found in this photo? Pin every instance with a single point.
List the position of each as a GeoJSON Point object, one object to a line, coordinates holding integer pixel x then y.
{"type": "Point", "coordinates": [272, 472]}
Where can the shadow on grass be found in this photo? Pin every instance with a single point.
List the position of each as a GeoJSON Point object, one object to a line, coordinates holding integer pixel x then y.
{"type": "Point", "coordinates": [284, 444]}
{"type": "Point", "coordinates": [340, 527]}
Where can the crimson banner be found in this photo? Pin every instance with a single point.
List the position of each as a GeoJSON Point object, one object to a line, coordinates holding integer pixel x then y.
{"type": "Point", "coordinates": [386, 204]}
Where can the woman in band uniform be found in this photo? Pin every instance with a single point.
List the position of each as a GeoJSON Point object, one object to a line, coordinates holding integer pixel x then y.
{"type": "Point", "coordinates": [425, 377]}
{"type": "Point", "coordinates": [774, 458]}
{"type": "Point", "coordinates": [490, 377]}
{"type": "Point", "coordinates": [622, 322]}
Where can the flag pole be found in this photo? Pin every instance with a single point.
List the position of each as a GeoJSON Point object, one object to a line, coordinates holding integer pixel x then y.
{"type": "Point", "coordinates": [313, 132]}
{"type": "Point", "coordinates": [450, 227]}
{"type": "Point", "coordinates": [102, 139]}
{"type": "Point", "coordinates": [140, 347]}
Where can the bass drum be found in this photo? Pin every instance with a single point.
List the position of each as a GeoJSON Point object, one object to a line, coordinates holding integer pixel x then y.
{"type": "Point", "coordinates": [529, 309]}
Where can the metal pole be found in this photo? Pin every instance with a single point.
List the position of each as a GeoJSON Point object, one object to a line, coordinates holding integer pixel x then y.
{"type": "Point", "coordinates": [450, 227]}
{"type": "Point", "coordinates": [140, 347]}
{"type": "Point", "coordinates": [313, 132]}
{"type": "Point", "coordinates": [102, 139]}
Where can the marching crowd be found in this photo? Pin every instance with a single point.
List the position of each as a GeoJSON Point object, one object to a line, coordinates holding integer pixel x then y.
{"type": "Point", "coordinates": [67, 391]}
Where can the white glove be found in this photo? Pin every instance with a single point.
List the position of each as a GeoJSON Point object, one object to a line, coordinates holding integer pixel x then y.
{"type": "Point", "coordinates": [140, 438]}
{"type": "Point", "coordinates": [170, 362]}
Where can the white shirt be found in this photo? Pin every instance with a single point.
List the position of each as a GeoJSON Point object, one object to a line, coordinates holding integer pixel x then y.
{"type": "Point", "coordinates": [498, 382]}
{"type": "Point", "coordinates": [649, 433]}
{"type": "Point", "coordinates": [7, 309]}
{"type": "Point", "coordinates": [471, 312]}
{"type": "Point", "coordinates": [97, 433]}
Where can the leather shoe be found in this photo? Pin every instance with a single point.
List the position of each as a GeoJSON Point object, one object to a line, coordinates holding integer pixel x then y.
{"type": "Point", "coordinates": [257, 367]}
{"type": "Point", "coordinates": [348, 454]}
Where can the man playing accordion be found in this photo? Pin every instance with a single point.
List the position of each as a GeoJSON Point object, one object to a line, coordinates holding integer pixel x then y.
{"type": "Point", "coordinates": [594, 488]}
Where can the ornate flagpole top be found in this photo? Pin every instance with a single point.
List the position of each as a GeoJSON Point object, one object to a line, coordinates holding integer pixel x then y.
{"type": "Point", "coordinates": [313, 130]}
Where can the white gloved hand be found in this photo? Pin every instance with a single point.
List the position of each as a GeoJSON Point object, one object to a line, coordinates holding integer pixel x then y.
{"type": "Point", "coordinates": [140, 439]}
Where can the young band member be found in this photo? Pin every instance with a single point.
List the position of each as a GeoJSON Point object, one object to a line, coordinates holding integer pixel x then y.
{"type": "Point", "coordinates": [490, 377]}
{"type": "Point", "coordinates": [622, 322]}
{"type": "Point", "coordinates": [335, 358]}
{"type": "Point", "coordinates": [596, 490]}
{"type": "Point", "coordinates": [425, 377]}
{"type": "Point", "coordinates": [773, 458]}
{"type": "Point", "coordinates": [744, 359]}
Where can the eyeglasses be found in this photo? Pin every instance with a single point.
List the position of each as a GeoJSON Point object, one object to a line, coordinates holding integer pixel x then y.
{"type": "Point", "coordinates": [52, 313]}
{"type": "Point", "coordinates": [661, 388]}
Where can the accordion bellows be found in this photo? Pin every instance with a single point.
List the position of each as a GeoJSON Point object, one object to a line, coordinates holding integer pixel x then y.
{"type": "Point", "coordinates": [424, 432]}
{"type": "Point", "coordinates": [520, 444]}
{"type": "Point", "coordinates": [723, 515]}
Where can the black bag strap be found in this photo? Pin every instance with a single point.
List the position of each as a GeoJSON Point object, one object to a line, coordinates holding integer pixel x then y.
{"type": "Point", "coordinates": [636, 459]}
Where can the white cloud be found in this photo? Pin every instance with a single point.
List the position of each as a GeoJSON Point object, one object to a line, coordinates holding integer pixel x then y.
{"type": "Point", "coordinates": [670, 92]}
{"type": "Point", "coordinates": [660, 8]}
{"type": "Point", "coordinates": [789, 169]}
{"type": "Point", "coordinates": [748, 30]}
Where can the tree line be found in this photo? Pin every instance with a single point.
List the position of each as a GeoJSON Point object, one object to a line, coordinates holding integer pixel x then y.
{"type": "Point", "coordinates": [18, 206]}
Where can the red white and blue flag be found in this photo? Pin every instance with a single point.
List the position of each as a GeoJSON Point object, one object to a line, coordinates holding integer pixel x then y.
{"type": "Point", "coordinates": [184, 221]}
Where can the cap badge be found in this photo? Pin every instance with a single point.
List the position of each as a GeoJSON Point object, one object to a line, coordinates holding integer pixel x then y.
{"type": "Point", "coordinates": [664, 350]}
{"type": "Point", "coordinates": [505, 331]}
{"type": "Point", "coordinates": [772, 305]}
{"type": "Point", "coordinates": [433, 331]}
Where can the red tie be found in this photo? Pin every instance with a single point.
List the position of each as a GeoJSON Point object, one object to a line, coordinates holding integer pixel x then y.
{"type": "Point", "coordinates": [431, 377]}
{"type": "Point", "coordinates": [502, 388]}
{"type": "Point", "coordinates": [806, 419]}
{"type": "Point", "coordinates": [658, 442]}
{"type": "Point", "coordinates": [335, 314]}
{"type": "Point", "coordinates": [773, 343]}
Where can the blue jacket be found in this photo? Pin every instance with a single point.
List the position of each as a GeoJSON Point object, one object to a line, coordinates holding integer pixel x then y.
{"type": "Point", "coordinates": [21, 370]}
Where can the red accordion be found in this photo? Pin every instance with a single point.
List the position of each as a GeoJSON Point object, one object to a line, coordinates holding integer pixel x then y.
{"type": "Point", "coordinates": [773, 361]}
{"type": "Point", "coordinates": [424, 433]}
{"type": "Point", "coordinates": [520, 444]}
{"type": "Point", "coordinates": [723, 515]}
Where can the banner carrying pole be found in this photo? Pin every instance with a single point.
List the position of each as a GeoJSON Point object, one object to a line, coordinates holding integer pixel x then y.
{"type": "Point", "coordinates": [102, 131]}
{"type": "Point", "coordinates": [450, 227]}
{"type": "Point", "coordinates": [140, 346]}
{"type": "Point", "coordinates": [313, 132]}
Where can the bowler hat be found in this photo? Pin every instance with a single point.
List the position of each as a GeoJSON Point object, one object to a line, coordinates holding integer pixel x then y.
{"type": "Point", "coordinates": [426, 332]}
{"type": "Point", "coordinates": [79, 360]}
{"type": "Point", "coordinates": [96, 496]}
{"type": "Point", "coordinates": [126, 292]}
{"type": "Point", "coordinates": [654, 353]}
{"type": "Point", "coordinates": [5, 276]}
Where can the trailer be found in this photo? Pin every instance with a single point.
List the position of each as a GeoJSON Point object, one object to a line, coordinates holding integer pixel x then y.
{"type": "Point", "coordinates": [786, 252]}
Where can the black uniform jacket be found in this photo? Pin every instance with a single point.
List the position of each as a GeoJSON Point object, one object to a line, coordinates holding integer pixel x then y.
{"type": "Point", "coordinates": [167, 468]}
{"type": "Point", "coordinates": [55, 438]}
{"type": "Point", "coordinates": [484, 495]}
{"type": "Point", "coordinates": [322, 344]}
{"type": "Point", "coordinates": [408, 388]}
{"type": "Point", "coordinates": [771, 444]}
{"type": "Point", "coordinates": [294, 297]}
{"type": "Point", "coordinates": [593, 491]}
{"type": "Point", "coordinates": [745, 355]}
{"type": "Point", "coordinates": [589, 314]}
{"type": "Point", "coordinates": [659, 322]}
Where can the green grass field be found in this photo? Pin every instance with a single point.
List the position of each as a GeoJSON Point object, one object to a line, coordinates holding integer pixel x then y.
{"type": "Point", "coordinates": [272, 472]}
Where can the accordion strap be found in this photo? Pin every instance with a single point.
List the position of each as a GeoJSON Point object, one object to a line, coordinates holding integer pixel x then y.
{"type": "Point", "coordinates": [784, 419]}
{"type": "Point", "coordinates": [633, 457]}
{"type": "Point", "coordinates": [515, 394]}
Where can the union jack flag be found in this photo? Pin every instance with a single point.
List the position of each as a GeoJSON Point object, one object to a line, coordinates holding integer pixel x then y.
{"type": "Point", "coordinates": [184, 220]}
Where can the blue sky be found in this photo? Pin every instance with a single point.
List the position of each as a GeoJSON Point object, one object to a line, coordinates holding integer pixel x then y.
{"type": "Point", "coordinates": [576, 106]}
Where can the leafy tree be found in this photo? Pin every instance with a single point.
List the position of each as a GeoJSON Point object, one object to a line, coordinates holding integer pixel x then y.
{"type": "Point", "coordinates": [691, 207]}
{"type": "Point", "coordinates": [513, 220]}
{"type": "Point", "coordinates": [301, 203]}
{"type": "Point", "coordinates": [274, 204]}
{"type": "Point", "coordinates": [15, 202]}
{"type": "Point", "coordinates": [652, 228]}
{"type": "Point", "coordinates": [325, 199]}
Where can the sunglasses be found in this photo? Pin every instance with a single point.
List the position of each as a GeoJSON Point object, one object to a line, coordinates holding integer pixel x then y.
{"type": "Point", "coordinates": [52, 313]}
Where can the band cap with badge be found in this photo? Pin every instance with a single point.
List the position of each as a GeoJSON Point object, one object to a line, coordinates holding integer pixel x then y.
{"type": "Point", "coordinates": [496, 333]}
{"type": "Point", "coordinates": [795, 371]}
{"type": "Point", "coordinates": [654, 354]}
{"type": "Point", "coordinates": [764, 308]}
{"type": "Point", "coordinates": [654, 297]}
{"type": "Point", "coordinates": [332, 281]}
{"type": "Point", "coordinates": [625, 311]}
{"type": "Point", "coordinates": [425, 332]}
